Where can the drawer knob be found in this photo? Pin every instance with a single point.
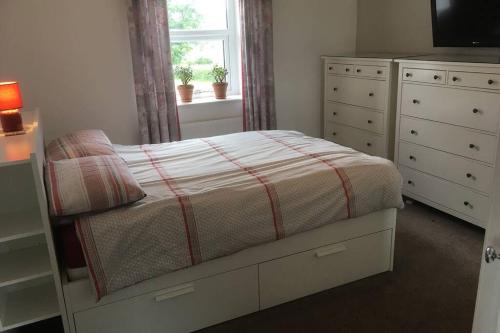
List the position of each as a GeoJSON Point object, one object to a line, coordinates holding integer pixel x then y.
{"type": "Point", "coordinates": [469, 175]}
{"type": "Point", "coordinates": [455, 79]}
{"type": "Point", "coordinates": [347, 70]}
{"type": "Point", "coordinates": [475, 111]}
{"type": "Point", "coordinates": [334, 133]}
{"type": "Point", "coordinates": [358, 70]}
{"type": "Point", "coordinates": [370, 122]}
{"type": "Point", "coordinates": [473, 146]}
{"type": "Point", "coordinates": [410, 182]}
{"type": "Point", "coordinates": [490, 82]}
{"type": "Point", "coordinates": [335, 89]}
{"type": "Point", "coordinates": [379, 72]}
{"type": "Point", "coordinates": [330, 68]}
{"type": "Point", "coordinates": [371, 94]}
{"type": "Point", "coordinates": [466, 203]}
{"type": "Point", "coordinates": [368, 144]}
{"type": "Point", "coordinates": [416, 101]}
{"type": "Point", "coordinates": [412, 158]}
{"type": "Point", "coordinates": [335, 113]}
{"type": "Point", "coordinates": [409, 74]}
{"type": "Point", "coordinates": [437, 77]}
{"type": "Point", "coordinates": [413, 132]}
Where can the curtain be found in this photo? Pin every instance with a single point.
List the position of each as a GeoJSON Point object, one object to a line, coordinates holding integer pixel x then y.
{"type": "Point", "coordinates": [259, 111]}
{"type": "Point", "coordinates": [153, 74]}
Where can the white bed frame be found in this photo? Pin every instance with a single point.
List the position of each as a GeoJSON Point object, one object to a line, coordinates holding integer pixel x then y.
{"type": "Point", "coordinates": [242, 283]}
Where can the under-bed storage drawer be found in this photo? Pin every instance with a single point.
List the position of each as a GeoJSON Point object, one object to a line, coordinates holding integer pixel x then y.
{"type": "Point", "coordinates": [208, 301]}
{"type": "Point", "coordinates": [302, 274]}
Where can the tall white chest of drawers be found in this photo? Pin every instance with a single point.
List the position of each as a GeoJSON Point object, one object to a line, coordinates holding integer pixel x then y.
{"type": "Point", "coordinates": [359, 92]}
{"type": "Point", "coordinates": [447, 132]}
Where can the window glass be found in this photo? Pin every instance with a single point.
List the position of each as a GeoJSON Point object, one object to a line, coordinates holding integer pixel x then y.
{"type": "Point", "coordinates": [197, 14]}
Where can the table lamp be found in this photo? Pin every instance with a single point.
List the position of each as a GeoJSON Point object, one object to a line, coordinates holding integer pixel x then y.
{"type": "Point", "coordinates": [10, 103]}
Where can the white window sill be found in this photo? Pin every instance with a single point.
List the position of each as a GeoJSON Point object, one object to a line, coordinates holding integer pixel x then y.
{"type": "Point", "coordinates": [207, 101]}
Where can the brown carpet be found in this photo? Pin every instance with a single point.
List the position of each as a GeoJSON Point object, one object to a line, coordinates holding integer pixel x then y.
{"type": "Point", "coordinates": [432, 288]}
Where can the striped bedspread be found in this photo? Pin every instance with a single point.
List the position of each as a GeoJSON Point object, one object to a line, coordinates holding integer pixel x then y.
{"type": "Point", "coordinates": [212, 197]}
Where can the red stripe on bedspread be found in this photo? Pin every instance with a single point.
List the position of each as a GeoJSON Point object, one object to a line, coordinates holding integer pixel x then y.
{"type": "Point", "coordinates": [346, 184]}
{"type": "Point", "coordinates": [269, 187]}
{"type": "Point", "coordinates": [186, 207]}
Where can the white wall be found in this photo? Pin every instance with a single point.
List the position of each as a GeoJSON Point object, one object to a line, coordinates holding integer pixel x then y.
{"type": "Point", "coordinates": [401, 26]}
{"type": "Point", "coordinates": [303, 31]}
{"type": "Point", "coordinates": [72, 58]}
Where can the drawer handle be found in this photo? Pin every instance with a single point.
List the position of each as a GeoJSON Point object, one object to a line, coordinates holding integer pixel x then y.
{"type": "Point", "coordinates": [455, 79]}
{"type": "Point", "coordinates": [371, 94]}
{"type": "Point", "coordinates": [409, 74]}
{"type": "Point", "coordinates": [335, 89]}
{"type": "Point", "coordinates": [412, 158]}
{"type": "Point", "coordinates": [413, 132]}
{"type": "Point", "coordinates": [379, 72]}
{"type": "Point", "coordinates": [490, 82]}
{"type": "Point", "coordinates": [475, 111]}
{"type": "Point", "coordinates": [347, 70]}
{"type": "Point", "coordinates": [473, 146]}
{"type": "Point", "coordinates": [469, 175]}
{"type": "Point", "coordinates": [370, 122]}
{"type": "Point", "coordinates": [368, 144]}
{"type": "Point", "coordinates": [416, 101]}
{"type": "Point", "coordinates": [437, 77]}
{"type": "Point", "coordinates": [330, 250]}
{"type": "Point", "coordinates": [175, 292]}
{"type": "Point", "coordinates": [411, 182]}
{"type": "Point", "coordinates": [358, 70]}
{"type": "Point", "coordinates": [468, 204]}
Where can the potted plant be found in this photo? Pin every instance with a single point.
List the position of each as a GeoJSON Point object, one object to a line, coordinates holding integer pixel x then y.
{"type": "Point", "coordinates": [185, 74]}
{"type": "Point", "coordinates": [220, 85]}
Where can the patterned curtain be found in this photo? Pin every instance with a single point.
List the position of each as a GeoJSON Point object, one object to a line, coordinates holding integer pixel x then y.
{"type": "Point", "coordinates": [257, 65]}
{"type": "Point", "coordinates": [153, 74]}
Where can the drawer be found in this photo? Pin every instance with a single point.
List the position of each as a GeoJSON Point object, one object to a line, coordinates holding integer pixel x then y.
{"type": "Point", "coordinates": [448, 166]}
{"type": "Point", "coordinates": [474, 109]}
{"type": "Point", "coordinates": [357, 139]}
{"type": "Point", "coordinates": [449, 138]}
{"type": "Point", "coordinates": [355, 116]}
{"type": "Point", "coordinates": [371, 71]}
{"type": "Point", "coordinates": [179, 309]}
{"type": "Point", "coordinates": [356, 91]}
{"type": "Point", "coordinates": [440, 191]}
{"type": "Point", "coordinates": [339, 69]}
{"type": "Point", "coordinates": [324, 268]}
{"type": "Point", "coordinates": [474, 80]}
{"type": "Point", "coordinates": [424, 75]}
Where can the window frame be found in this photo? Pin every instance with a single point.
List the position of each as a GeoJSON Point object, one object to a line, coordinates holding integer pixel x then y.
{"type": "Point", "coordinates": [231, 44]}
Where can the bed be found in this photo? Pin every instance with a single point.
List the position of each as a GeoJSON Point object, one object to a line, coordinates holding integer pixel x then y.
{"type": "Point", "coordinates": [255, 219]}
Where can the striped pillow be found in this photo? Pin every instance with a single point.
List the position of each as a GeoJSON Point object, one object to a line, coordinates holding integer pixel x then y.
{"type": "Point", "coordinates": [79, 144]}
{"type": "Point", "coordinates": [90, 184]}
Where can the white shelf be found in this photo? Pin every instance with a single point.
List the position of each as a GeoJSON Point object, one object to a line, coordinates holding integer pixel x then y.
{"type": "Point", "coordinates": [24, 265]}
{"type": "Point", "coordinates": [19, 225]}
{"type": "Point", "coordinates": [29, 305]}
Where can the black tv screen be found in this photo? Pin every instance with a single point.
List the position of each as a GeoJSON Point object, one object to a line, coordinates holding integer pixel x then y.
{"type": "Point", "coordinates": [459, 23]}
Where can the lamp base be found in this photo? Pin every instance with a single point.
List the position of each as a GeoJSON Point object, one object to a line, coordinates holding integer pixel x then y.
{"type": "Point", "coordinates": [12, 122]}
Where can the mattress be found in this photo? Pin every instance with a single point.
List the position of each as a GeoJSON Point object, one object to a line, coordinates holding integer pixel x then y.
{"type": "Point", "coordinates": [208, 198]}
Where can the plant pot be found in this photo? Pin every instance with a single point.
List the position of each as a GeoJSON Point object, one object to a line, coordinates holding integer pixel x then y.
{"type": "Point", "coordinates": [186, 92]}
{"type": "Point", "coordinates": [220, 90]}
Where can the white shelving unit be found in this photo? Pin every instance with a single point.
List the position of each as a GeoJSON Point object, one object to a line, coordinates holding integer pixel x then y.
{"type": "Point", "coordinates": [30, 285]}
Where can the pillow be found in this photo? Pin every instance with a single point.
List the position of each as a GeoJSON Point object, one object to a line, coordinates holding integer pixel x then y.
{"type": "Point", "coordinates": [90, 184]}
{"type": "Point", "coordinates": [79, 144]}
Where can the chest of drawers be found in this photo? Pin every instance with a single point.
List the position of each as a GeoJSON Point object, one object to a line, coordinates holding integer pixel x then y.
{"type": "Point", "coordinates": [447, 133]}
{"type": "Point", "coordinates": [358, 98]}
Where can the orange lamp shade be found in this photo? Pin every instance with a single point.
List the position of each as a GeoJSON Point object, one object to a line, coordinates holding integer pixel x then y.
{"type": "Point", "coordinates": [10, 96]}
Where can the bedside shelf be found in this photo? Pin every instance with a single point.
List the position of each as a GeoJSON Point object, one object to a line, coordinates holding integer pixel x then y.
{"type": "Point", "coordinates": [24, 265]}
{"type": "Point", "coordinates": [29, 305]}
{"type": "Point", "coordinates": [19, 225]}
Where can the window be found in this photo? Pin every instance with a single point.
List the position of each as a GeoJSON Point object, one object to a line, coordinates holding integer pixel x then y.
{"type": "Point", "coordinates": [203, 34]}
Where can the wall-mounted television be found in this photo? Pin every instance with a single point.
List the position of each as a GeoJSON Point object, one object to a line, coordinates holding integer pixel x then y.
{"type": "Point", "coordinates": [466, 23]}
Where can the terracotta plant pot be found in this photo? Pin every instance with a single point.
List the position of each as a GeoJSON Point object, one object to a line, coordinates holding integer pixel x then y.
{"type": "Point", "coordinates": [220, 90]}
{"type": "Point", "coordinates": [186, 92]}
